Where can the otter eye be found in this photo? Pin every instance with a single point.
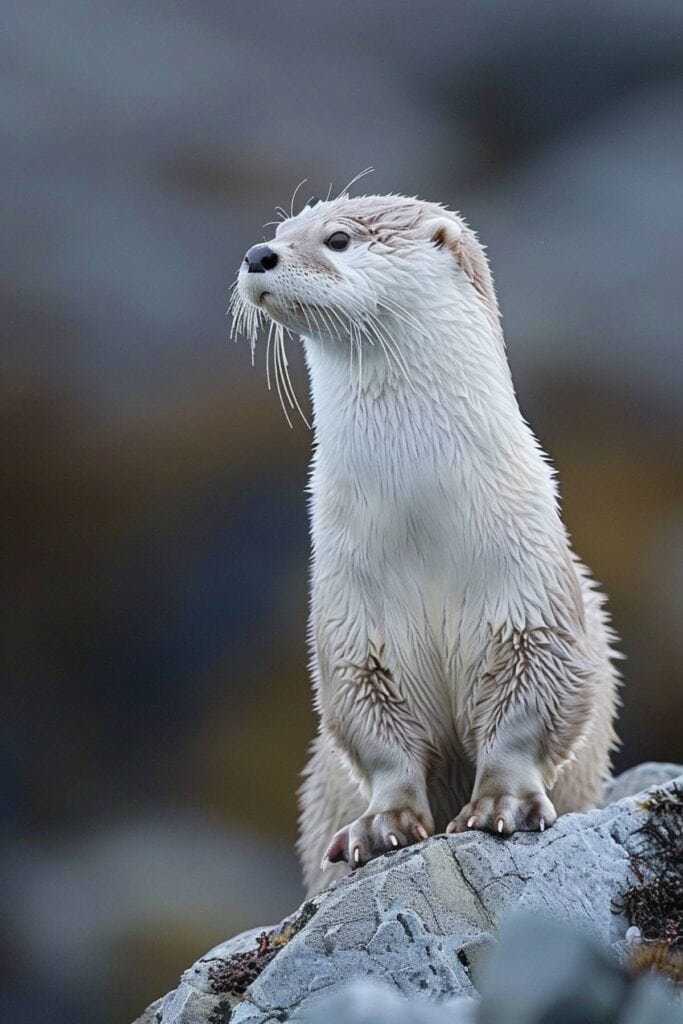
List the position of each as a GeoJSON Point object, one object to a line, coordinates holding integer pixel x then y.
{"type": "Point", "coordinates": [338, 241]}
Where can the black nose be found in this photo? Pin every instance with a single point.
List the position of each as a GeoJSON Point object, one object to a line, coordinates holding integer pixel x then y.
{"type": "Point", "coordinates": [260, 258]}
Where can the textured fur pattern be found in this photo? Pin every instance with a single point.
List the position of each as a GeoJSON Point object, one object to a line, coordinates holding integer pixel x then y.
{"type": "Point", "coordinates": [460, 653]}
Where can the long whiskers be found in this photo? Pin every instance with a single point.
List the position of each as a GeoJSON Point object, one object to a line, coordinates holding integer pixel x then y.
{"type": "Point", "coordinates": [294, 195]}
{"type": "Point", "coordinates": [284, 363]}
{"type": "Point", "coordinates": [401, 313]}
{"type": "Point", "coordinates": [271, 331]}
{"type": "Point", "coordinates": [361, 174]}
{"type": "Point", "coordinates": [391, 352]}
{"type": "Point", "coordinates": [355, 328]}
{"type": "Point", "coordinates": [279, 372]}
{"type": "Point", "coordinates": [248, 320]}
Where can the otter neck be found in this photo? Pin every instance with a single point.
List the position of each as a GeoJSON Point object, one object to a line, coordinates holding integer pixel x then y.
{"type": "Point", "coordinates": [443, 393]}
{"type": "Point", "coordinates": [443, 468]}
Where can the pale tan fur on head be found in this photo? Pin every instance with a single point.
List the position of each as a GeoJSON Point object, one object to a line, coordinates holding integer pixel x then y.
{"type": "Point", "coordinates": [470, 257]}
{"type": "Point", "coordinates": [394, 222]}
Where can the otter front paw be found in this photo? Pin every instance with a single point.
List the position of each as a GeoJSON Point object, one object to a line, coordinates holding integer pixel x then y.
{"type": "Point", "coordinates": [375, 834]}
{"type": "Point", "coordinates": [506, 814]}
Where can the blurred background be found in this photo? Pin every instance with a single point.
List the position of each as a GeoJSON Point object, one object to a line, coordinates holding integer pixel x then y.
{"type": "Point", "coordinates": [156, 701]}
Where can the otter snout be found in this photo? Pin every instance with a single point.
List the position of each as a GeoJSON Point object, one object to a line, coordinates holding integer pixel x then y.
{"type": "Point", "coordinates": [260, 258]}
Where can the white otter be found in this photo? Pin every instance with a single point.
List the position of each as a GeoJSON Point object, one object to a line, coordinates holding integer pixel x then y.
{"type": "Point", "coordinates": [460, 653]}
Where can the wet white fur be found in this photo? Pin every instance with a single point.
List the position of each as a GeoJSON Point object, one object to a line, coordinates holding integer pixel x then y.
{"type": "Point", "coordinates": [437, 540]}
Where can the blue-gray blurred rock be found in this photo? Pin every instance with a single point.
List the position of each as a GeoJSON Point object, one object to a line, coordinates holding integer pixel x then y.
{"type": "Point", "coordinates": [641, 776]}
{"type": "Point", "coordinates": [543, 970]}
{"type": "Point", "coordinates": [373, 1002]}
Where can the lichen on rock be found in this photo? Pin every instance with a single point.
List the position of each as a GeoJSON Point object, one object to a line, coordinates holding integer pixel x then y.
{"type": "Point", "coordinates": [233, 974]}
{"type": "Point", "coordinates": [653, 902]}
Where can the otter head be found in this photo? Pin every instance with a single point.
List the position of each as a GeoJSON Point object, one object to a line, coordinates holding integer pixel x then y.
{"type": "Point", "coordinates": [339, 269]}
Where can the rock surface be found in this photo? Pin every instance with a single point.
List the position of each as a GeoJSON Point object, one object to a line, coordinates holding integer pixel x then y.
{"type": "Point", "coordinates": [423, 919]}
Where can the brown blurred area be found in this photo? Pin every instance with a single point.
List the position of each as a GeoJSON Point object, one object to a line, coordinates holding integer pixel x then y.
{"type": "Point", "coordinates": [157, 708]}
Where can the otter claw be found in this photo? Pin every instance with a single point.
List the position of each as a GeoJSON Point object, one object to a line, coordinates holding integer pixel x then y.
{"type": "Point", "coordinates": [506, 813]}
{"type": "Point", "coordinates": [374, 834]}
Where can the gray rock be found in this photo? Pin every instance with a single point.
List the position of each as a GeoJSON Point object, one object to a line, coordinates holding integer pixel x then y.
{"type": "Point", "coordinates": [365, 1001]}
{"type": "Point", "coordinates": [423, 921]}
{"type": "Point", "coordinates": [544, 970]}
{"type": "Point", "coordinates": [635, 780]}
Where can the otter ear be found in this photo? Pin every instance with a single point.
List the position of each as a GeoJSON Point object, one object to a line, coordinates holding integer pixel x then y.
{"type": "Point", "coordinates": [449, 233]}
{"type": "Point", "coordinates": [444, 232]}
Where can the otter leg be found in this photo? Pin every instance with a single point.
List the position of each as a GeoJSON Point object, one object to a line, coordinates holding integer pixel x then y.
{"type": "Point", "coordinates": [509, 793]}
{"type": "Point", "coordinates": [369, 721]}
{"type": "Point", "coordinates": [328, 798]}
{"type": "Point", "coordinates": [529, 711]}
{"type": "Point", "coordinates": [407, 819]}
